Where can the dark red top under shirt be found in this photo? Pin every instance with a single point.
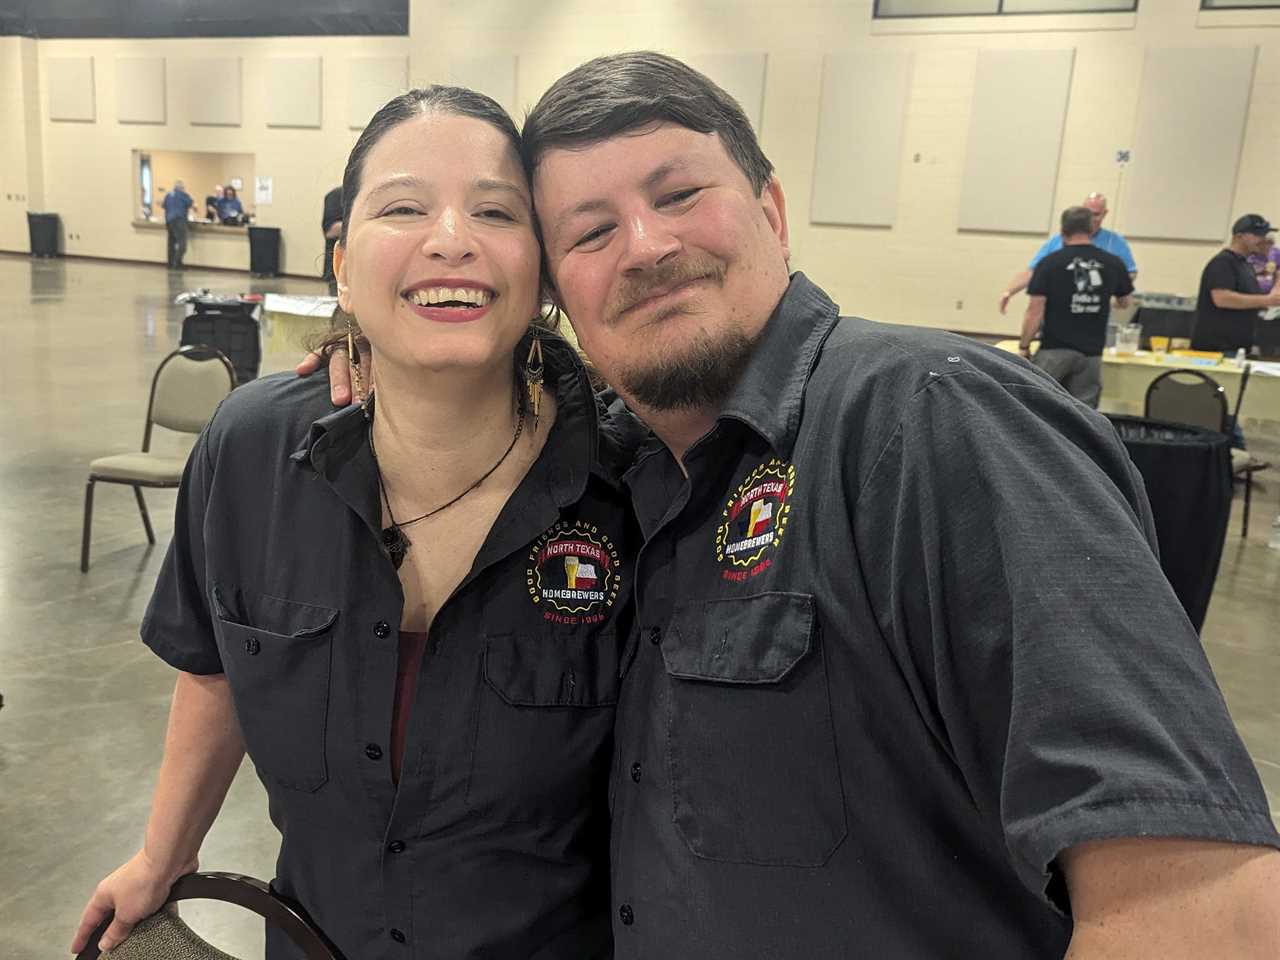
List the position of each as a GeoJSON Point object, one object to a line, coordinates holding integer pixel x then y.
{"type": "Point", "coordinates": [412, 646]}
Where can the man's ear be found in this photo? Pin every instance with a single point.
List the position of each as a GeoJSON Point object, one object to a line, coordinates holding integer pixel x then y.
{"type": "Point", "coordinates": [774, 202]}
{"type": "Point", "coordinates": [340, 272]}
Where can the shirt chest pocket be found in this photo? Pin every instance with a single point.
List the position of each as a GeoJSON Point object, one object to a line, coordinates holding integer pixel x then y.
{"type": "Point", "coordinates": [276, 654]}
{"type": "Point", "coordinates": [544, 722]}
{"type": "Point", "coordinates": [751, 748]}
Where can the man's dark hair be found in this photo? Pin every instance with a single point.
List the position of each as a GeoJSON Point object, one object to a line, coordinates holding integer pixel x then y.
{"type": "Point", "coordinates": [455, 100]}
{"type": "Point", "coordinates": [1077, 220]}
{"type": "Point", "coordinates": [626, 92]}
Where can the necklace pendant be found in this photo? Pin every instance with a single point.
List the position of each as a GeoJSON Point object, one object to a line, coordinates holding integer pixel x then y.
{"type": "Point", "coordinates": [397, 544]}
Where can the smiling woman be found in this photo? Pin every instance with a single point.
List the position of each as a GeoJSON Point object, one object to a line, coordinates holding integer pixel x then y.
{"type": "Point", "coordinates": [476, 507]}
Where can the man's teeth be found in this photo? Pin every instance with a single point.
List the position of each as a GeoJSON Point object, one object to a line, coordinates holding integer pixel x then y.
{"type": "Point", "coordinates": [471, 296]}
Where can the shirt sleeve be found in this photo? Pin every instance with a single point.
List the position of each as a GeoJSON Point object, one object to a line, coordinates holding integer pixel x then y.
{"type": "Point", "coordinates": [1052, 245]}
{"type": "Point", "coordinates": [178, 625]}
{"type": "Point", "coordinates": [1219, 275]}
{"type": "Point", "coordinates": [1125, 285]}
{"type": "Point", "coordinates": [1124, 253]}
{"type": "Point", "coordinates": [1021, 591]}
{"type": "Point", "coordinates": [1039, 284]}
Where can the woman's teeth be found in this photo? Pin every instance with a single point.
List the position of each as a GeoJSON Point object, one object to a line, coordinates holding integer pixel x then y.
{"type": "Point", "coordinates": [463, 296]}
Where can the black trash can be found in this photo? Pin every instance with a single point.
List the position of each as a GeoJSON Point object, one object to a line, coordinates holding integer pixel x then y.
{"type": "Point", "coordinates": [229, 324]}
{"type": "Point", "coordinates": [264, 251]}
{"type": "Point", "coordinates": [44, 229]}
{"type": "Point", "coordinates": [1187, 472]}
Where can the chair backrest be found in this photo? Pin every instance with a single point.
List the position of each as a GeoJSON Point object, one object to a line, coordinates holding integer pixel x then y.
{"type": "Point", "coordinates": [1235, 413]}
{"type": "Point", "coordinates": [163, 937]}
{"type": "Point", "coordinates": [1187, 396]}
{"type": "Point", "coordinates": [186, 389]}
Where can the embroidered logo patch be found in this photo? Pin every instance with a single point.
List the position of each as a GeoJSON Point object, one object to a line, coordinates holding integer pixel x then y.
{"type": "Point", "coordinates": [573, 573]}
{"type": "Point", "coordinates": [755, 519]}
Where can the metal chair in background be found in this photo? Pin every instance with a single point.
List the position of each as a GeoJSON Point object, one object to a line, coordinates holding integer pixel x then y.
{"type": "Point", "coordinates": [186, 389]}
{"type": "Point", "coordinates": [1195, 398]}
{"type": "Point", "coordinates": [162, 936]}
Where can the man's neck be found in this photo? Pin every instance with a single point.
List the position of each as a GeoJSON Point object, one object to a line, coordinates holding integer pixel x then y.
{"type": "Point", "coordinates": [1077, 240]}
{"type": "Point", "coordinates": [678, 429]}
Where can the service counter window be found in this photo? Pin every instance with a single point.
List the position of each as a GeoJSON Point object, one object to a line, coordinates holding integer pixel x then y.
{"type": "Point", "coordinates": [215, 182]}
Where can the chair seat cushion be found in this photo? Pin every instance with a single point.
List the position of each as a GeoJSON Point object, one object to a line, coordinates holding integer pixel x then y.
{"type": "Point", "coordinates": [163, 936]}
{"type": "Point", "coordinates": [140, 467]}
{"type": "Point", "coordinates": [1242, 461]}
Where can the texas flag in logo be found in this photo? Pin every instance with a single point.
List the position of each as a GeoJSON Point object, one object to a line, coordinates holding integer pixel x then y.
{"type": "Point", "coordinates": [761, 515]}
{"type": "Point", "coordinates": [579, 575]}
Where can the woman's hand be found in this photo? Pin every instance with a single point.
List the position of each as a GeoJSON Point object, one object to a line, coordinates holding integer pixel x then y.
{"type": "Point", "coordinates": [133, 892]}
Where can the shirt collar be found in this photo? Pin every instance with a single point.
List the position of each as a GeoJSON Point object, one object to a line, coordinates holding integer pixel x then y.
{"type": "Point", "coordinates": [770, 395]}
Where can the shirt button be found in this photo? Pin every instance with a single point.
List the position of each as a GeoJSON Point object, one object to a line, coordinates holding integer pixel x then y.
{"type": "Point", "coordinates": [252, 646]}
{"type": "Point", "coordinates": [373, 751]}
{"type": "Point", "coordinates": [626, 915]}
{"type": "Point", "coordinates": [635, 772]}
{"type": "Point", "coordinates": [397, 935]}
{"type": "Point", "coordinates": [396, 846]}
{"type": "Point", "coordinates": [381, 629]}
{"type": "Point", "coordinates": [655, 635]}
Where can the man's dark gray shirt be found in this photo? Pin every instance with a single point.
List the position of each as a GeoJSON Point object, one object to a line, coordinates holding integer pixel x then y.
{"type": "Point", "coordinates": [494, 843]}
{"type": "Point", "coordinates": [901, 639]}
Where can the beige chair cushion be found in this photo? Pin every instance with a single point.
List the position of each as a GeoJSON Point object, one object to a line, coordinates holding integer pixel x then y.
{"type": "Point", "coordinates": [1242, 460]}
{"type": "Point", "coordinates": [141, 467]}
{"type": "Point", "coordinates": [187, 393]}
{"type": "Point", "coordinates": [163, 936]}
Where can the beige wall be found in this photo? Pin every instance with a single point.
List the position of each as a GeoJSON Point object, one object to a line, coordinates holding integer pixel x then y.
{"type": "Point", "coordinates": [922, 270]}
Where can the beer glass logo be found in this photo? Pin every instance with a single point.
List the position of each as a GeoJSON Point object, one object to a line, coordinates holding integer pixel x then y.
{"type": "Point", "coordinates": [755, 517]}
{"type": "Point", "coordinates": [573, 568]}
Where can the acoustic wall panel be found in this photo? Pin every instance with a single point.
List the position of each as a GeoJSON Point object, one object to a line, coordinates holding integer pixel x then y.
{"type": "Point", "coordinates": [741, 75]}
{"type": "Point", "coordinates": [140, 90]}
{"type": "Point", "coordinates": [860, 126]}
{"type": "Point", "coordinates": [71, 88]}
{"type": "Point", "coordinates": [211, 91]}
{"type": "Point", "coordinates": [1015, 139]}
{"type": "Point", "coordinates": [1186, 147]}
{"type": "Point", "coordinates": [293, 93]}
{"type": "Point", "coordinates": [372, 81]}
{"type": "Point", "coordinates": [494, 76]}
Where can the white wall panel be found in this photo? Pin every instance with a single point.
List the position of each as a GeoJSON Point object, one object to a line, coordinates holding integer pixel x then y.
{"type": "Point", "coordinates": [71, 94]}
{"type": "Point", "coordinates": [372, 82]}
{"type": "Point", "coordinates": [211, 91]}
{"type": "Point", "coordinates": [1015, 140]}
{"type": "Point", "coordinates": [140, 90]}
{"type": "Point", "coordinates": [494, 76]}
{"type": "Point", "coordinates": [859, 152]}
{"type": "Point", "coordinates": [741, 75]}
{"type": "Point", "coordinates": [293, 93]}
{"type": "Point", "coordinates": [1186, 148]}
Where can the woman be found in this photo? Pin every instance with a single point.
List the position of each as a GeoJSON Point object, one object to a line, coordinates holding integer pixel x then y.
{"type": "Point", "coordinates": [410, 611]}
{"type": "Point", "coordinates": [229, 208]}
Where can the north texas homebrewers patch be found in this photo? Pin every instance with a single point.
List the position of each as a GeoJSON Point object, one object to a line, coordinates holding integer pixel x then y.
{"type": "Point", "coordinates": [755, 518]}
{"type": "Point", "coordinates": [573, 573]}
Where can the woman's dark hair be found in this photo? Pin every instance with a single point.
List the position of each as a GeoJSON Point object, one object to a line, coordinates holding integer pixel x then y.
{"type": "Point", "coordinates": [455, 100]}
{"type": "Point", "coordinates": [629, 91]}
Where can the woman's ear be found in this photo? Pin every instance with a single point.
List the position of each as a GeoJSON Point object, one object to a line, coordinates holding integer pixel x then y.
{"type": "Point", "coordinates": [340, 272]}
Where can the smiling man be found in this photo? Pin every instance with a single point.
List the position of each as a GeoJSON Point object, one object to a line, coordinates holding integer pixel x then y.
{"type": "Point", "coordinates": [872, 708]}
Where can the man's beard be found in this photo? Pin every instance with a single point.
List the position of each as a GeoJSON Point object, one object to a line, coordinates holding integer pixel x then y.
{"type": "Point", "coordinates": [700, 376]}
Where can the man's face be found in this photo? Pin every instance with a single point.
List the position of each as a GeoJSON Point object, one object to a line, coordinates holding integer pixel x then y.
{"type": "Point", "coordinates": [1098, 207]}
{"type": "Point", "coordinates": [664, 258]}
{"type": "Point", "coordinates": [1258, 243]}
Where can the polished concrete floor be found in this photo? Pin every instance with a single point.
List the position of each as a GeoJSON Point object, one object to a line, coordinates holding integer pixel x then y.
{"type": "Point", "coordinates": [85, 702]}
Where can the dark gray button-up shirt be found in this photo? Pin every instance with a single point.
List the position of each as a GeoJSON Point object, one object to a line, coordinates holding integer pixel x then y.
{"type": "Point", "coordinates": [494, 845]}
{"type": "Point", "coordinates": [901, 639]}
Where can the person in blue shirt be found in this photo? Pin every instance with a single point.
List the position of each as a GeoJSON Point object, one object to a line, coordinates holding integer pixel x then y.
{"type": "Point", "coordinates": [177, 203]}
{"type": "Point", "coordinates": [1106, 240]}
{"type": "Point", "coordinates": [229, 209]}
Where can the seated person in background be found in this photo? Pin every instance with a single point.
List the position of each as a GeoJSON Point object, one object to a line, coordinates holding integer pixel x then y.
{"type": "Point", "coordinates": [1230, 298]}
{"type": "Point", "coordinates": [1264, 264]}
{"type": "Point", "coordinates": [229, 208]}
{"type": "Point", "coordinates": [331, 224]}
{"type": "Point", "coordinates": [1070, 295]}
{"type": "Point", "coordinates": [211, 203]}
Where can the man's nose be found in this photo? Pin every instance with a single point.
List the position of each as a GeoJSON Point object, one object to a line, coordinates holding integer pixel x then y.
{"type": "Point", "coordinates": [649, 240]}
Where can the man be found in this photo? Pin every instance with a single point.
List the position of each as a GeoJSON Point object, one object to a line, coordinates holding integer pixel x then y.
{"type": "Point", "coordinates": [871, 708]}
{"type": "Point", "coordinates": [1229, 299]}
{"type": "Point", "coordinates": [1099, 236]}
{"type": "Point", "coordinates": [211, 203]}
{"type": "Point", "coordinates": [1070, 303]}
{"type": "Point", "coordinates": [177, 204]}
{"type": "Point", "coordinates": [331, 225]}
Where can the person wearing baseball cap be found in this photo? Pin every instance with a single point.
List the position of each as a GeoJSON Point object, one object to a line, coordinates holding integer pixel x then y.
{"type": "Point", "coordinates": [1230, 298]}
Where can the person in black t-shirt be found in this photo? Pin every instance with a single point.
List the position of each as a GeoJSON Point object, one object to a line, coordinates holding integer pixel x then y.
{"type": "Point", "coordinates": [331, 224]}
{"type": "Point", "coordinates": [1230, 298]}
{"type": "Point", "coordinates": [1070, 301]}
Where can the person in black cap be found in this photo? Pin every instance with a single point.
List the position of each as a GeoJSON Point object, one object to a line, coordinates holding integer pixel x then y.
{"type": "Point", "coordinates": [331, 224]}
{"type": "Point", "coordinates": [1230, 298]}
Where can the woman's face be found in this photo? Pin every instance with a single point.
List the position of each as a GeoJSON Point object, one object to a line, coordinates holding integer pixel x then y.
{"type": "Point", "coordinates": [440, 262]}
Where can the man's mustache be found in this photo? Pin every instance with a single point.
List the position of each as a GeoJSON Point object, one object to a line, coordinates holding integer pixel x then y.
{"type": "Point", "coordinates": [634, 291]}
